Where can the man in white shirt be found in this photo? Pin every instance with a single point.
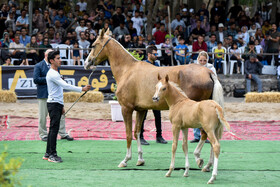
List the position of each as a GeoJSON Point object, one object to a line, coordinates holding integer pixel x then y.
{"type": "Point", "coordinates": [178, 22]}
{"type": "Point", "coordinates": [83, 5]}
{"type": "Point", "coordinates": [84, 44]}
{"type": "Point", "coordinates": [81, 28]}
{"type": "Point", "coordinates": [16, 50]}
{"type": "Point", "coordinates": [55, 103]}
{"type": "Point", "coordinates": [137, 22]}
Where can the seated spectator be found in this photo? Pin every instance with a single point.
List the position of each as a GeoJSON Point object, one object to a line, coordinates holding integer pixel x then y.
{"type": "Point", "coordinates": [140, 44]}
{"type": "Point", "coordinates": [32, 50]}
{"type": "Point", "coordinates": [126, 42]}
{"type": "Point", "coordinates": [250, 49]}
{"type": "Point", "coordinates": [7, 62]}
{"type": "Point", "coordinates": [234, 54]}
{"type": "Point", "coordinates": [5, 41]}
{"type": "Point", "coordinates": [221, 34]}
{"type": "Point", "coordinates": [83, 5]}
{"type": "Point", "coordinates": [160, 34]}
{"type": "Point", "coordinates": [198, 30]}
{"type": "Point", "coordinates": [156, 28]}
{"type": "Point", "coordinates": [213, 30]}
{"type": "Point", "coordinates": [176, 22]}
{"type": "Point", "coordinates": [43, 47]}
{"type": "Point", "coordinates": [131, 29]}
{"type": "Point", "coordinates": [252, 30]}
{"type": "Point", "coordinates": [39, 38]}
{"type": "Point", "coordinates": [266, 27]}
{"type": "Point", "coordinates": [120, 31]}
{"type": "Point", "coordinates": [259, 50]}
{"type": "Point", "coordinates": [205, 24]}
{"type": "Point", "coordinates": [84, 44]}
{"type": "Point", "coordinates": [182, 52]}
{"type": "Point", "coordinates": [22, 21]}
{"type": "Point", "coordinates": [76, 55]}
{"type": "Point", "coordinates": [252, 68]}
{"type": "Point", "coordinates": [17, 51]}
{"type": "Point", "coordinates": [59, 29]}
{"type": "Point", "coordinates": [244, 30]}
{"type": "Point", "coordinates": [61, 18]}
{"type": "Point", "coordinates": [24, 38]}
{"type": "Point", "coordinates": [212, 43]}
{"type": "Point", "coordinates": [259, 35]}
{"type": "Point", "coordinates": [240, 39]}
{"type": "Point", "coordinates": [10, 22]}
{"type": "Point", "coordinates": [51, 33]}
{"type": "Point", "coordinates": [56, 39]}
{"type": "Point", "coordinates": [81, 28]}
{"type": "Point", "coordinates": [219, 57]}
{"type": "Point", "coordinates": [232, 30]}
{"type": "Point", "coordinates": [39, 21]}
{"type": "Point", "coordinates": [198, 46]}
{"type": "Point", "coordinates": [166, 54]}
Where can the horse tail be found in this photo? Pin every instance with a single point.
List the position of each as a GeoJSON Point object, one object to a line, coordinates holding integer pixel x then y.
{"type": "Point", "coordinates": [217, 94]}
{"type": "Point", "coordinates": [223, 121]}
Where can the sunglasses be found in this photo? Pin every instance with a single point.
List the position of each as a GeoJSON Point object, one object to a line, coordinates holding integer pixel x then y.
{"type": "Point", "coordinates": [155, 54]}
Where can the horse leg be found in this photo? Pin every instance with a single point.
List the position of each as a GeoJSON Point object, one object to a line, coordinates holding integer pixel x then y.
{"type": "Point", "coordinates": [185, 149]}
{"type": "Point", "coordinates": [216, 149]}
{"type": "Point", "coordinates": [127, 116]}
{"type": "Point", "coordinates": [210, 162]}
{"type": "Point", "coordinates": [139, 120]}
{"type": "Point", "coordinates": [199, 161]}
{"type": "Point", "coordinates": [176, 131]}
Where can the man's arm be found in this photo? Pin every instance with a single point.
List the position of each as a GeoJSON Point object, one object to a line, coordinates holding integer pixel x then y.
{"type": "Point", "coordinates": [37, 78]}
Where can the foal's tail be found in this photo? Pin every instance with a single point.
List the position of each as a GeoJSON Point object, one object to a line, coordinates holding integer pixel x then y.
{"type": "Point", "coordinates": [217, 94]}
{"type": "Point", "coordinates": [222, 120]}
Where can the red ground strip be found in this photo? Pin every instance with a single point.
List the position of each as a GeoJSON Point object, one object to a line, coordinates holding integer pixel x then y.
{"type": "Point", "coordinates": [27, 129]}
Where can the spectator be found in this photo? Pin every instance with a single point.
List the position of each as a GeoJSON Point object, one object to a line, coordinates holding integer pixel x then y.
{"type": "Point", "coordinates": [120, 31]}
{"type": "Point", "coordinates": [213, 30]}
{"type": "Point", "coordinates": [182, 52]}
{"type": "Point", "coordinates": [54, 4]}
{"type": "Point", "coordinates": [43, 47]}
{"type": "Point", "coordinates": [39, 21]}
{"type": "Point", "coordinates": [184, 17]}
{"type": "Point", "coordinates": [252, 30]}
{"type": "Point", "coordinates": [160, 35]}
{"type": "Point", "coordinates": [252, 68]}
{"type": "Point", "coordinates": [235, 10]}
{"type": "Point", "coordinates": [24, 39]}
{"type": "Point", "coordinates": [177, 22]}
{"type": "Point", "coordinates": [205, 24]}
{"type": "Point", "coordinates": [89, 27]}
{"type": "Point", "coordinates": [22, 21]}
{"type": "Point", "coordinates": [57, 38]}
{"type": "Point", "coordinates": [259, 50]}
{"type": "Point", "coordinates": [126, 42]}
{"type": "Point", "coordinates": [216, 11]}
{"type": "Point", "coordinates": [83, 5]}
{"type": "Point", "coordinates": [17, 51]}
{"type": "Point", "coordinates": [59, 29]}
{"type": "Point", "coordinates": [204, 10]}
{"type": "Point", "coordinates": [118, 17]}
{"type": "Point", "coordinates": [259, 34]}
{"type": "Point", "coordinates": [61, 18]}
{"type": "Point", "coordinates": [7, 62]}
{"type": "Point", "coordinates": [76, 54]}
{"type": "Point", "coordinates": [32, 50]}
{"type": "Point", "coordinates": [211, 44]}
{"type": "Point", "coordinates": [157, 27]}
{"type": "Point", "coordinates": [47, 19]}
{"type": "Point", "coordinates": [39, 38]}
{"type": "Point", "coordinates": [250, 49]}
{"type": "Point", "coordinates": [240, 39]}
{"type": "Point", "coordinates": [199, 46]}
{"type": "Point", "coordinates": [219, 57]}
{"type": "Point", "coordinates": [137, 22]}
{"type": "Point", "coordinates": [140, 44]}
{"type": "Point", "coordinates": [221, 34]}
{"type": "Point", "coordinates": [232, 30]}
{"type": "Point", "coordinates": [266, 27]}
{"type": "Point", "coordinates": [5, 41]}
{"type": "Point", "coordinates": [10, 22]}
{"type": "Point", "coordinates": [234, 54]}
{"type": "Point", "coordinates": [244, 30]}
{"type": "Point", "coordinates": [198, 30]}
{"type": "Point", "coordinates": [273, 44]}
{"type": "Point", "coordinates": [3, 18]}
{"type": "Point", "coordinates": [81, 28]}
{"type": "Point", "coordinates": [166, 54]}
{"type": "Point", "coordinates": [51, 33]}
{"type": "Point", "coordinates": [84, 44]}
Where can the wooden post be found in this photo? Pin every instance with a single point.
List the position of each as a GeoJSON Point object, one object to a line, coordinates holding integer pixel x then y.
{"type": "Point", "coordinates": [170, 35]}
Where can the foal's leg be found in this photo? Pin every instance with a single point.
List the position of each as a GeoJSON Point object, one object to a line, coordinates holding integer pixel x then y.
{"type": "Point", "coordinates": [216, 149]}
{"type": "Point", "coordinates": [176, 132]}
{"type": "Point", "coordinates": [211, 159]}
{"type": "Point", "coordinates": [185, 149]}
{"type": "Point", "coordinates": [198, 148]}
{"type": "Point", "coordinates": [127, 116]}
{"type": "Point", "coordinates": [139, 120]}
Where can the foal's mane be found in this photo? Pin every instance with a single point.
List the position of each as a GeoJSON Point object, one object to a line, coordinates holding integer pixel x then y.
{"type": "Point", "coordinates": [176, 86]}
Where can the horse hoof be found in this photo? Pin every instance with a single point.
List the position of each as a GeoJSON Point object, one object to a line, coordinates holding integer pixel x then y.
{"type": "Point", "coordinates": [210, 182]}
{"type": "Point", "coordinates": [186, 175]}
{"type": "Point", "coordinates": [122, 165]}
{"type": "Point", "coordinates": [140, 162]}
{"type": "Point", "coordinates": [205, 170]}
{"type": "Point", "coordinates": [200, 162]}
{"type": "Point", "coordinates": [168, 174]}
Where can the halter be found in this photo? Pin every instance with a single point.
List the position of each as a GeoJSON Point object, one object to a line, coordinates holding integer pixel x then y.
{"type": "Point", "coordinates": [100, 50]}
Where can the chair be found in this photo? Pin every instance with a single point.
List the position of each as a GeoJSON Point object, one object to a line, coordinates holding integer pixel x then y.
{"type": "Point", "coordinates": [223, 61]}
{"type": "Point", "coordinates": [232, 62]}
{"type": "Point", "coordinates": [54, 45]}
{"type": "Point", "coordinates": [64, 52]}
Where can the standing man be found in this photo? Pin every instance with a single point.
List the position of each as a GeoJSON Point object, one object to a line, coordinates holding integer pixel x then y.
{"type": "Point", "coordinates": [273, 44]}
{"type": "Point", "coordinates": [55, 103]}
{"type": "Point", "coordinates": [152, 56]}
{"type": "Point", "coordinates": [39, 76]}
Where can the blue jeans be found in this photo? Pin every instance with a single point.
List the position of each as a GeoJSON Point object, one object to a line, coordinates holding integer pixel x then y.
{"type": "Point", "coordinates": [219, 62]}
{"type": "Point", "coordinates": [196, 133]}
{"type": "Point", "coordinates": [257, 80]}
{"type": "Point", "coordinates": [182, 59]}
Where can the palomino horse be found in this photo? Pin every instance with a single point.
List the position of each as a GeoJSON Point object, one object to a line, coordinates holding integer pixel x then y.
{"type": "Point", "coordinates": [136, 83]}
{"type": "Point", "coordinates": [185, 113]}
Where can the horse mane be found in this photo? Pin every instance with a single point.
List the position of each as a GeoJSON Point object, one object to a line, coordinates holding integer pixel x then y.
{"type": "Point", "coordinates": [124, 49]}
{"type": "Point", "coordinates": [176, 86]}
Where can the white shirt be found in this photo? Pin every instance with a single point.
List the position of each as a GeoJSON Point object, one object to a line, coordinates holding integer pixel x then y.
{"type": "Point", "coordinates": [137, 23]}
{"type": "Point", "coordinates": [83, 6]}
{"type": "Point", "coordinates": [221, 35]}
{"type": "Point", "coordinates": [80, 29]}
{"type": "Point", "coordinates": [56, 85]}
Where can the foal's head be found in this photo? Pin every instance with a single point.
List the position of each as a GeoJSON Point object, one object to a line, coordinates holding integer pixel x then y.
{"type": "Point", "coordinates": [161, 88]}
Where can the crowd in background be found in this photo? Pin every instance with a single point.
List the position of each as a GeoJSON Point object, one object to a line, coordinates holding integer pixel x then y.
{"type": "Point", "coordinates": [193, 31]}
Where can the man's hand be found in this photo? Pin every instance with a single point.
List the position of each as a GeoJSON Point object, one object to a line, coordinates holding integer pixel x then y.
{"type": "Point", "coordinates": [86, 88]}
{"type": "Point", "coordinates": [63, 110]}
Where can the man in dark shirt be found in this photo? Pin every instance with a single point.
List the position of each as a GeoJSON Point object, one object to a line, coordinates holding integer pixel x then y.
{"type": "Point", "coordinates": [118, 18]}
{"type": "Point", "coordinates": [252, 69]}
{"type": "Point", "coordinates": [273, 44]}
{"type": "Point", "coordinates": [3, 18]}
{"type": "Point", "coordinates": [198, 30]}
{"type": "Point", "coordinates": [235, 10]}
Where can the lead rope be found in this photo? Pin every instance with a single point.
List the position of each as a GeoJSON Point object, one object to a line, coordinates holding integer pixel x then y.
{"type": "Point", "coordinates": [82, 94]}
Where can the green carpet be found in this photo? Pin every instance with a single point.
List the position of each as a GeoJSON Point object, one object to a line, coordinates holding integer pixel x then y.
{"type": "Point", "coordinates": [94, 163]}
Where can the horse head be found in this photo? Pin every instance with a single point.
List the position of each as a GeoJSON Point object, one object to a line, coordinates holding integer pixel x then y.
{"type": "Point", "coordinates": [97, 54]}
{"type": "Point", "coordinates": [161, 88]}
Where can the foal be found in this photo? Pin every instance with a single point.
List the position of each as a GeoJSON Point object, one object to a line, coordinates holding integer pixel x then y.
{"type": "Point", "coordinates": [185, 113]}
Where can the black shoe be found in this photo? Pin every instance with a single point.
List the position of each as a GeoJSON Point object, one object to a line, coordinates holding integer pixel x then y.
{"type": "Point", "coordinates": [144, 142]}
{"type": "Point", "coordinates": [45, 139]}
{"type": "Point", "coordinates": [207, 141]}
{"type": "Point", "coordinates": [69, 138]}
{"type": "Point", "coordinates": [46, 156]}
{"type": "Point", "coordinates": [161, 140]}
{"type": "Point", "coordinates": [55, 159]}
{"type": "Point", "coordinates": [195, 141]}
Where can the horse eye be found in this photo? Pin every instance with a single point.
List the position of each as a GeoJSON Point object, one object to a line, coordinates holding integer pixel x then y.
{"type": "Point", "coordinates": [163, 89]}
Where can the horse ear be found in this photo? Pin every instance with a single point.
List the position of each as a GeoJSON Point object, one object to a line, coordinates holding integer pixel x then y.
{"type": "Point", "coordinates": [102, 33]}
{"type": "Point", "coordinates": [159, 77]}
{"type": "Point", "coordinates": [108, 31]}
{"type": "Point", "coordinates": [166, 78]}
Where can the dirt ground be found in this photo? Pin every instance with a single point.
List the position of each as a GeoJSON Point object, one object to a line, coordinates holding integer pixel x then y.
{"type": "Point", "coordinates": [235, 110]}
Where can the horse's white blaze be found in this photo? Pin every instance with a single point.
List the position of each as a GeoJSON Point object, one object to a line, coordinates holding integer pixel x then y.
{"type": "Point", "coordinates": [158, 87]}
